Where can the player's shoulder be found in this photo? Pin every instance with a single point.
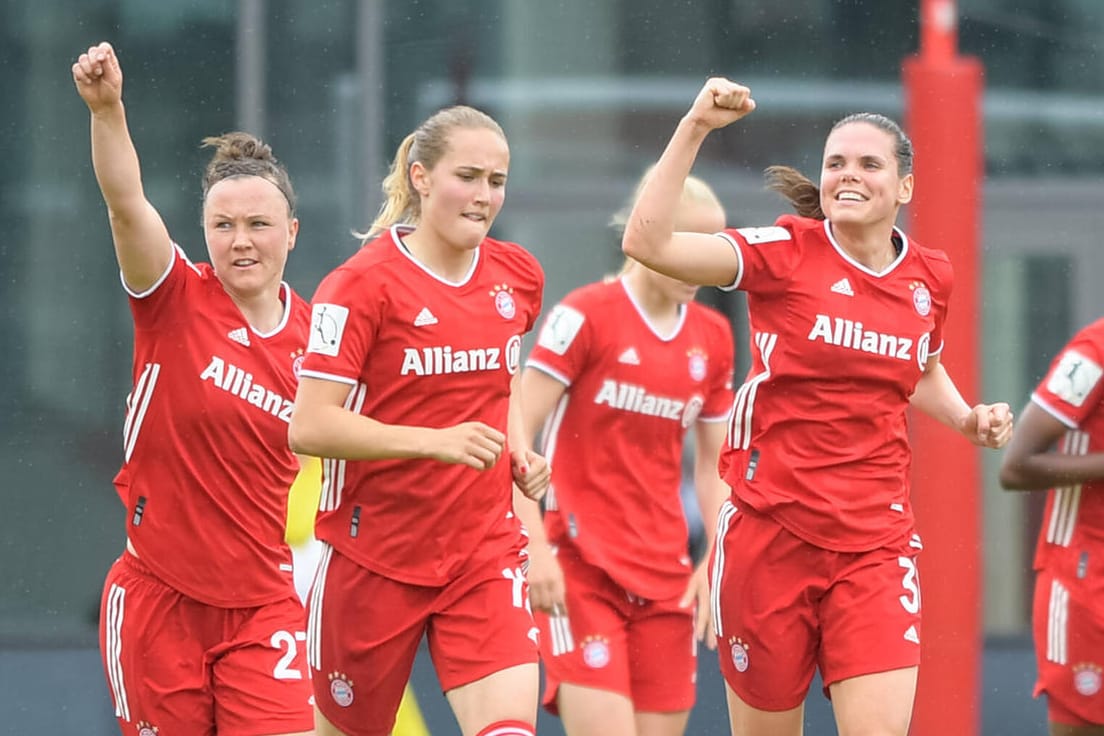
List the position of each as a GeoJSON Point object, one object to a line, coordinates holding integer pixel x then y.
{"type": "Point", "coordinates": [512, 257]}
{"type": "Point", "coordinates": [707, 315]}
{"type": "Point", "coordinates": [1092, 333]}
{"type": "Point", "coordinates": [595, 295]}
{"type": "Point", "coordinates": [934, 262]}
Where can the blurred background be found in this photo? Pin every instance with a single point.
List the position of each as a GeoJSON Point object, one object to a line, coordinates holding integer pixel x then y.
{"type": "Point", "coordinates": [588, 92]}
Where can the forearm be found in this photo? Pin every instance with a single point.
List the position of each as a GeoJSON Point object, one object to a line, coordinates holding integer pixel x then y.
{"type": "Point", "coordinates": [115, 162]}
{"type": "Point", "coordinates": [336, 432]}
{"type": "Point", "coordinates": [528, 511]}
{"type": "Point", "coordinates": [1047, 470]}
{"type": "Point", "coordinates": [937, 396]}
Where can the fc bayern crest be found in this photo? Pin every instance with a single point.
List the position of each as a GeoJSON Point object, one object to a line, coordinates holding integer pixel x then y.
{"type": "Point", "coordinates": [1086, 679]}
{"type": "Point", "coordinates": [596, 653]}
{"type": "Point", "coordinates": [697, 365]}
{"type": "Point", "coordinates": [921, 299]}
{"type": "Point", "coordinates": [740, 659]}
{"type": "Point", "coordinates": [341, 689]}
{"type": "Point", "coordinates": [504, 300]}
{"type": "Point", "coordinates": [145, 728]}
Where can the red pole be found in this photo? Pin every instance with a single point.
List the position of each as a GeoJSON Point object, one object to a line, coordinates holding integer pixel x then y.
{"type": "Point", "coordinates": [943, 116]}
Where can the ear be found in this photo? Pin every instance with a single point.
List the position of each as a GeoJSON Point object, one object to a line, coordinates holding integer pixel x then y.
{"type": "Point", "coordinates": [293, 233]}
{"type": "Point", "coordinates": [904, 189]}
{"type": "Point", "coordinates": [419, 177]}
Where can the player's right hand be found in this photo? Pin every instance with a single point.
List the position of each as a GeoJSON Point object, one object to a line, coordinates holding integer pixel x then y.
{"type": "Point", "coordinates": [546, 581]}
{"type": "Point", "coordinates": [98, 77]}
{"type": "Point", "coordinates": [719, 103]}
{"type": "Point", "coordinates": [474, 444]}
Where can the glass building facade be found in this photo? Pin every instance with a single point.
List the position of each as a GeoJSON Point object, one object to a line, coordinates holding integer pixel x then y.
{"type": "Point", "coordinates": [588, 93]}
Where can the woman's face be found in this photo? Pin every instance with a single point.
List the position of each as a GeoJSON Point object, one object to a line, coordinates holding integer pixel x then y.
{"type": "Point", "coordinates": [249, 234]}
{"type": "Point", "coordinates": [859, 181]}
{"type": "Point", "coordinates": [463, 193]}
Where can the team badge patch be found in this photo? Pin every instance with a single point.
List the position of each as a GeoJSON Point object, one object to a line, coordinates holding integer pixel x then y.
{"type": "Point", "coordinates": [698, 362]}
{"type": "Point", "coordinates": [1074, 378]}
{"type": "Point", "coordinates": [145, 728]}
{"type": "Point", "coordinates": [921, 298]}
{"type": "Point", "coordinates": [739, 650]}
{"type": "Point", "coordinates": [341, 689]}
{"type": "Point", "coordinates": [596, 653]}
{"type": "Point", "coordinates": [560, 329]}
{"type": "Point", "coordinates": [504, 300]}
{"type": "Point", "coordinates": [297, 362]}
{"type": "Point", "coordinates": [327, 328]}
{"type": "Point", "coordinates": [1086, 678]}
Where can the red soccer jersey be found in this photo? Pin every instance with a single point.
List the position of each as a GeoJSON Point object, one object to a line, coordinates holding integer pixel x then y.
{"type": "Point", "coordinates": [1071, 540]}
{"type": "Point", "coordinates": [417, 350]}
{"type": "Point", "coordinates": [207, 468]}
{"type": "Point", "coordinates": [615, 438]}
{"type": "Point", "coordinates": [818, 436]}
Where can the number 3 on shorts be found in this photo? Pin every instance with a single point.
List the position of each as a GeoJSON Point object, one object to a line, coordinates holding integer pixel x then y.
{"type": "Point", "coordinates": [911, 600]}
{"type": "Point", "coordinates": [287, 641]}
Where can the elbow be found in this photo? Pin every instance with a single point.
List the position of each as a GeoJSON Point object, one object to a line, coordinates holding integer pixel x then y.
{"type": "Point", "coordinates": [300, 439]}
{"type": "Point", "coordinates": [1011, 477]}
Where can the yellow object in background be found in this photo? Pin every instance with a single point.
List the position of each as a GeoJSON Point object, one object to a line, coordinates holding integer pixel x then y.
{"type": "Point", "coordinates": [302, 507]}
{"type": "Point", "coordinates": [303, 501]}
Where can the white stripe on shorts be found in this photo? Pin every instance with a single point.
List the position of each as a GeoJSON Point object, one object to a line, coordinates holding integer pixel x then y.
{"type": "Point", "coordinates": [113, 648]}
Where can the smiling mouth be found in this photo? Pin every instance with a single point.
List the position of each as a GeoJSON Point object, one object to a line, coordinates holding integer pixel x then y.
{"type": "Point", "coordinates": [244, 262]}
{"type": "Point", "coordinates": [850, 197]}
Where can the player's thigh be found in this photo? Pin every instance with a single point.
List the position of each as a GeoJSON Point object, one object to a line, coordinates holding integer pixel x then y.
{"type": "Point", "coordinates": [363, 632]}
{"type": "Point", "coordinates": [589, 711]}
{"type": "Point", "coordinates": [506, 695]}
{"type": "Point", "coordinates": [878, 703]}
{"type": "Point", "coordinates": [262, 684]}
{"type": "Point", "coordinates": [746, 720]}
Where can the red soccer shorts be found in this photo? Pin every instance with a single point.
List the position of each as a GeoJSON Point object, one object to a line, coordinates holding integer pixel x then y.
{"type": "Point", "coordinates": [175, 665]}
{"type": "Point", "coordinates": [364, 630]}
{"type": "Point", "coordinates": [785, 607]}
{"type": "Point", "coordinates": [1069, 650]}
{"type": "Point", "coordinates": [612, 640]}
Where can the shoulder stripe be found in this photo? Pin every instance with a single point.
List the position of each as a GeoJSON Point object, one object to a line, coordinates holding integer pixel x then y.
{"type": "Point", "coordinates": [333, 470]}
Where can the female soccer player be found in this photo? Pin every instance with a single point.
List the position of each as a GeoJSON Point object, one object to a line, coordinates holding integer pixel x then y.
{"type": "Point", "coordinates": [410, 387]}
{"type": "Point", "coordinates": [622, 369]}
{"type": "Point", "coordinates": [1057, 446]}
{"type": "Point", "coordinates": [201, 630]}
{"type": "Point", "coordinates": [815, 560]}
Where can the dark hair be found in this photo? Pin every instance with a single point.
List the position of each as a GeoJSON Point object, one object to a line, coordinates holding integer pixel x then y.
{"type": "Point", "coordinates": [241, 154]}
{"type": "Point", "coordinates": [804, 195]}
{"type": "Point", "coordinates": [427, 144]}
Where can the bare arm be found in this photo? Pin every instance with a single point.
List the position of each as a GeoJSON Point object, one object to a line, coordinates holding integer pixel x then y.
{"type": "Point", "coordinates": [1030, 462]}
{"type": "Point", "coordinates": [322, 426]}
{"type": "Point", "coordinates": [711, 490]}
{"type": "Point", "coordinates": [986, 425]}
{"type": "Point", "coordinates": [531, 471]}
{"type": "Point", "coordinates": [142, 244]}
{"type": "Point", "coordinates": [541, 393]}
{"type": "Point", "coordinates": [649, 233]}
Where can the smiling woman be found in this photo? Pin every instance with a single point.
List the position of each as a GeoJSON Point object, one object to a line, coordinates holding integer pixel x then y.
{"type": "Point", "coordinates": [847, 316]}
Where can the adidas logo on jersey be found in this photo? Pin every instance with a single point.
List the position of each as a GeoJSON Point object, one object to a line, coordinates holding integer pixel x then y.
{"type": "Point", "coordinates": [629, 357]}
{"type": "Point", "coordinates": [843, 286]}
{"type": "Point", "coordinates": [911, 635]}
{"type": "Point", "coordinates": [240, 336]}
{"type": "Point", "coordinates": [424, 318]}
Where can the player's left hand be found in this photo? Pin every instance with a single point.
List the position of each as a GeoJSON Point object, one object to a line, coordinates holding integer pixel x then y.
{"type": "Point", "coordinates": [697, 594]}
{"type": "Point", "coordinates": [989, 425]}
{"type": "Point", "coordinates": [532, 473]}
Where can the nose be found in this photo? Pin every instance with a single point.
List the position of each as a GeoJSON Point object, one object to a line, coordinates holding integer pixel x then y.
{"type": "Point", "coordinates": [241, 237]}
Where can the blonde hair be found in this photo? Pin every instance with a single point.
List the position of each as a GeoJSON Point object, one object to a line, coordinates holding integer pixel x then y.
{"type": "Point", "coordinates": [427, 145]}
{"type": "Point", "coordinates": [694, 191]}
